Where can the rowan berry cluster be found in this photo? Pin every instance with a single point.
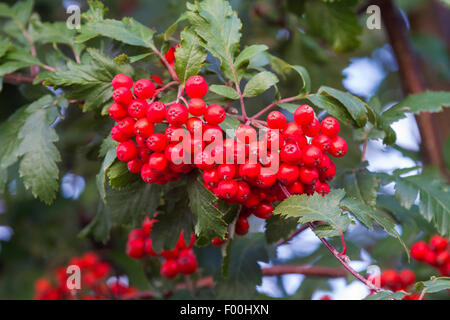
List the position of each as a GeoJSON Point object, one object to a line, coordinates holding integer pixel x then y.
{"type": "Point", "coordinates": [436, 253]}
{"type": "Point", "coordinates": [395, 281]}
{"type": "Point", "coordinates": [181, 259]}
{"type": "Point", "coordinates": [93, 285]}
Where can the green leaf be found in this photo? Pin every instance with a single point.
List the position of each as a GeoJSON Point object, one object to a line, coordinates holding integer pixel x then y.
{"type": "Point", "coordinates": [189, 56]}
{"type": "Point", "coordinates": [55, 32]}
{"type": "Point", "coordinates": [20, 12]}
{"type": "Point", "coordinates": [386, 295]}
{"type": "Point", "coordinates": [210, 223]}
{"type": "Point", "coordinates": [316, 208]}
{"type": "Point", "coordinates": [279, 228]}
{"type": "Point", "coordinates": [429, 101]}
{"type": "Point", "coordinates": [434, 198]}
{"type": "Point", "coordinates": [110, 156]}
{"type": "Point", "coordinates": [335, 22]}
{"type": "Point", "coordinates": [215, 22]}
{"type": "Point", "coordinates": [245, 273]}
{"type": "Point", "coordinates": [354, 106]}
{"type": "Point", "coordinates": [230, 124]}
{"type": "Point", "coordinates": [362, 184]}
{"type": "Point", "coordinates": [5, 44]}
{"type": "Point", "coordinates": [100, 226]}
{"type": "Point", "coordinates": [333, 107]}
{"type": "Point", "coordinates": [306, 88]}
{"type": "Point", "coordinates": [119, 176]}
{"type": "Point", "coordinates": [224, 91]}
{"type": "Point", "coordinates": [260, 83]}
{"type": "Point", "coordinates": [243, 59]}
{"type": "Point", "coordinates": [435, 284]}
{"type": "Point", "coordinates": [366, 214]}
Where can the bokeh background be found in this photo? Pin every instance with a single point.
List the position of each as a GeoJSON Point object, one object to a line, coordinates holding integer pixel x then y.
{"type": "Point", "coordinates": [36, 238]}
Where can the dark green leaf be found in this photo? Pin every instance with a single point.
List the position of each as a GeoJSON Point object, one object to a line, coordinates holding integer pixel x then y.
{"type": "Point", "coordinates": [224, 91]}
{"type": "Point", "coordinates": [189, 56]}
{"type": "Point", "coordinates": [279, 228]}
{"type": "Point", "coordinates": [260, 83]}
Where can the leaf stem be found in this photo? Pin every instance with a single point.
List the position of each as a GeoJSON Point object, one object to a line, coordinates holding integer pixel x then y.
{"type": "Point", "coordinates": [172, 72]}
{"type": "Point", "coordinates": [273, 104]}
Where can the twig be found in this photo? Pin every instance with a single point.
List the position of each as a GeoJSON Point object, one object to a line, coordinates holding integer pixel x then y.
{"type": "Point", "coordinates": [172, 72]}
{"type": "Point", "coordinates": [273, 104]}
{"type": "Point", "coordinates": [16, 78]}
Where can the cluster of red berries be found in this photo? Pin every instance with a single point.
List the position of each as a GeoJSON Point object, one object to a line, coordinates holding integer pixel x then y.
{"type": "Point", "coordinates": [93, 272]}
{"type": "Point", "coordinates": [392, 280]}
{"type": "Point", "coordinates": [181, 259]}
{"type": "Point", "coordinates": [436, 253]}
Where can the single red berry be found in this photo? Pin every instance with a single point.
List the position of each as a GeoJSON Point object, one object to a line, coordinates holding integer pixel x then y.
{"type": "Point", "coordinates": [442, 258]}
{"type": "Point", "coordinates": [273, 139]}
{"type": "Point", "coordinates": [263, 210]}
{"type": "Point", "coordinates": [177, 114]}
{"type": "Point", "coordinates": [122, 80]}
{"type": "Point", "coordinates": [312, 129]}
{"type": "Point", "coordinates": [304, 115]}
{"type": "Point", "coordinates": [308, 175]}
{"type": "Point", "coordinates": [430, 258]}
{"type": "Point", "coordinates": [174, 134]}
{"type": "Point", "coordinates": [196, 87]}
{"type": "Point", "coordinates": [276, 120]}
{"type": "Point", "coordinates": [157, 142]}
{"type": "Point", "coordinates": [144, 89]}
{"type": "Point", "coordinates": [214, 114]}
{"type": "Point", "coordinates": [156, 112]}
{"type": "Point", "coordinates": [147, 225]}
{"type": "Point", "coordinates": [136, 233]}
{"type": "Point", "coordinates": [407, 278]}
{"type": "Point", "coordinates": [266, 178]}
{"type": "Point", "coordinates": [311, 155]}
{"type": "Point", "coordinates": [211, 133]}
{"type": "Point", "coordinates": [227, 189]}
{"type": "Point", "coordinates": [134, 166]}
{"type": "Point", "coordinates": [323, 188]}
{"type": "Point", "coordinates": [197, 107]}
{"type": "Point", "coordinates": [126, 125]}
{"type": "Point", "coordinates": [242, 226]}
{"type": "Point", "coordinates": [218, 242]}
{"type": "Point", "coordinates": [438, 243]}
{"type": "Point", "coordinates": [296, 188]}
{"type": "Point", "coordinates": [187, 262]}
{"type": "Point", "coordinates": [170, 269]}
{"type": "Point", "coordinates": [325, 162]}
{"type": "Point", "coordinates": [322, 142]}
{"type": "Point", "coordinates": [288, 174]}
{"type": "Point", "coordinates": [290, 153]}
{"type": "Point", "coordinates": [127, 151]}
{"type": "Point", "coordinates": [210, 177]}
{"type": "Point", "coordinates": [330, 127]}
{"type": "Point", "coordinates": [118, 135]}
{"type": "Point", "coordinates": [338, 147]}
{"type": "Point", "coordinates": [137, 108]}
{"type": "Point", "coordinates": [293, 132]}
{"type": "Point", "coordinates": [252, 200]}
{"type": "Point", "coordinates": [135, 248]}
{"type": "Point", "coordinates": [122, 95]}
{"type": "Point", "coordinates": [246, 134]}
{"type": "Point", "coordinates": [328, 173]}
{"type": "Point", "coordinates": [249, 171]}
{"type": "Point", "coordinates": [148, 175]}
{"type": "Point", "coordinates": [117, 111]}
{"type": "Point", "coordinates": [143, 127]}
{"type": "Point", "coordinates": [158, 162]}
{"type": "Point", "coordinates": [226, 171]}
{"type": "Point", "coordinates": [194, 125]}
{"type": "Point", "coordinates": [243, 192]}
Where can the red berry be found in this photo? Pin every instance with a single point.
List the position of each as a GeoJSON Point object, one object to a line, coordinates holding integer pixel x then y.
{"type": "Point", "coordinates": [227, 189]}
{"type": "Point", "coordinates": [312, 129]}
{"type": "Point", "coordinates": [134, 166]}
{"type": "Point", "coordinates": [157, 142]}
{"type": "Point", "coordinates": [181, 243]}
{"type": "Point", "coordinates": [390, 279]}
{"type": "Point", "coordinates": [328, 173]}
{"type": "Point", "coordinates": [290, 153]}
{"type": "Point", "coordinates": [243, 192]}
{"type": "Point", "coordinates": [170, 55]}
{"type": "Point", "coordinates": [147, 174]}
{"type": "Point", "coordinates": [194, 125]}
{"type": "Point", "coordinates": [330, 127]}
{"type": "Point", "coordinates": [288, 174]}
{"type": "Point", "coordinates": [147, 225]}
{"type": "Point", "coordinates": [338, 147]}
{"type": "Point", "coordinates": [148, 248]}
{"type": "Point", "coordinates": [308, 175]}
{"type": "Point", "coordinates": [118, 135]}
{"type": "Point", "coordinates": [196, 87]}
{"type": "Point", "coordinates": [438, 243]}
{"type": "Point", "coordinates": [273, 139]}
{"type": "Point", "coordinates": [117, 111]}
{"type": "Point", "coordinates": [218, 242]}
{"type": "Point", "coordinates": [266, 178]}
{"type": "Point", "coordinates": [214, 114]}
{"type": "Point", "coordinates": [322, 142]}
{"type": "Point", "coordinates": [170, 269]}
{"type": "Point", "coordinates": [304, 115]}
{"type": "Point", "coordinates": [135, 248]}
{"type": "Point", "coordinates": [138, 108]}
{"type": "Point", "coordinates": [293, 132]}
{"type": "Point", "coordinates": [122, 80]}
{"type": "Point", "coordinates": [242, 226]}
{"type": "Point", "coordinates": [323, 189]}
{"type": "Point", "coordinates": [197, 107]}
{"type": "Point", "coordinates": [263, 210]}
{"type": "Point", "coordinates": [326, 298]}
{"type": "Point", "coordinates": [442, 258]}
{"type": "Point", "coordinates": [156, 112]}
{"type": "Point", "coordinates": [158, 162]}
{"type": "Point", "coordinates": [170, 254]}
{"type": "Point", "coordinates": [210, 177]}
{"type": "Point", "coordinates": [407, 278]}
{"type": "Point", "coordinates": [174, 134]}
{"type": "Point", "coordinates": [295, 188]}
{"type": "Point", "coordinates": [249, 171]}
{"type": "Point", "coordinates": [187, 262]}
{"type": "Point", "coordinates": [126, 125]}
{"type": "Point", "coordinates": [311, 155]}
{"type": "Point", "coordinates": [252, 200]}
{"type": "Point", "coordinates": [276, 120]}
{"type": "Point", "coordinates": [177, 114]}
{"type": "Point", "coordinates": [143, 127]}
{"type": "Point", "coordinates": [430, 258]}
{"type": "Point", "coordinates": [211, 133]}
{"type": "Point", "coordinates": [226, 171]}
{"type": "Point", "coordinates": [246, 134]}
{"type": "Point", "coordinates": [122, 95]}
{"type": "Point", "coordinates": [144, 89]}
{"type": "Point", "coordinates": [325, 162]}
{"type": "Point", "coordinates": [127, 151]}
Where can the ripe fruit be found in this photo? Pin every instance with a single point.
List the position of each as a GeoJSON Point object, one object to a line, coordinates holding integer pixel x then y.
{"type": "Point", "coordinates": [158, 162]}
{"type": "Point", "coordinates": [242, 226]}
{"type": "Point", "coordinates": [288, 174]}
{"type": "Point", "coordinates": [156, 112]}
{"type": "Point", "coordinates": [144, 89]}
{"type": "Point", "coordinates": [196, 87]}
{"type": "Point", "coordinates": [122, 95]}
{"type": "Point", "coordinates": [276, 120]}
{"type": "Point", "coordinates": [304, 115]}
{"type": "Point", "coordinates": [197, 107]}
{"type": "Point", "coordinates": [144, 127]}
{"type": "Point", "coordinates": [187, 262]}
{"type": "Point", "coordinates": [226, 171]}
{"type": "Point", "coordinates": [117, 111]}
{"type": "Point", "coordinates": [135, 248]}
{"type": "Point", "coordinates": [177, 114]}
{"type": "Point", "coordinates": [322, 142]}
{"type": "Point", "coordinates": [170, 269]}
{"type": "Point", "coordinates": [126, 126]}
{"type": "Point", "coordinates": [311, 155]}
{"type": "Point", "coordinates": [249, 171]}
{"type": "Point", "coordinates": [407, 278]}
{"type": "Point", "coordinates": [156, 142]}
{"type": "Point", "coordinates": [137, 108]}
{"type": "Point", "coordinates": [126, 151]}
{"type": "Point", "coordinates": [227, 189]}
{"type": "Point", "coordinates": [214, 114]}
{"type": "Point", "coordinates": [218, 242]}
{"type": "Point", "coordinates": [122, 80]}
{"type": "Point", "coordinates": [330, 127]}
{"type": "Point", "coordinates": [290, 153]}
{"type": "Point", "coordinates": [312, 129]}
{"type": "Point", "coordinates": [338, 147]}
{"type": "Point", "coordinates": [134, 166]}
{"type": "Point", "coordinates": [308, 175]}
{"type": "Point", "coordinates": [438, 243]}
{"type": "Point", "coordinates": [246, 134]}
{"type": "Point", "coordinates": [263, 210]}
{"type": "Point", "coordinates": [419, 250]}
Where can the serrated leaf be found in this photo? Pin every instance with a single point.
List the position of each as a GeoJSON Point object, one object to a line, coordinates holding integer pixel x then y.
{"type": "Point", "coordinates": [360, 183]}
{"type": "Point", "coordinates": [110, 156]}
{"type": "Point", "coordinates": [55, 32]}
{"type": "Point", "coordinates": [243, 59]}
{"type": "Point", "coordinates": [119, 176]}
{"type": "Point", "coordinates": [279, 228]}
{"type": "Point", "coordinates": [386, 295]}
{"type": "Point", "coordinates": [245, 273]}
{"type": "Point", "coordinates": [334, 22]}
{"type": "Point", "coordinates": [210, 223]}
{"type": "Point", "coordinates": [224, 91]}
{"type": "Point", "coordinates": [435, 284]}
{"type": "Point", "coordinates": [333, 107]}
{"type": "Point", "coordinates": [354, 106]}
{"type": "Point", "coordinates": [189, 56]}
{"type": "Point", "coordinates": [260, 83]}
{"type": "Point", "coordinates": [429, 101]}
{"type": "Point", "coordinates": [219, 27]}
{"type": "Point", "coordinates": [316, 208]}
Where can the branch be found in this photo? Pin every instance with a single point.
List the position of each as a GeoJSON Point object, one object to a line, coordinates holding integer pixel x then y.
{"type": "Point", "coordinates": [273, 104]}
{"type": "Point", "coordinates": [172, 72]}
{"type": "Point", "coordinates": [17, 78]}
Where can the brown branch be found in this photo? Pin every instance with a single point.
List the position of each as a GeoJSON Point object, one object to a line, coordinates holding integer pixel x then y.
{"type": "Point", "coordinates": [17, 78]}
{"type": "Point", "coordinates": [412, 79]}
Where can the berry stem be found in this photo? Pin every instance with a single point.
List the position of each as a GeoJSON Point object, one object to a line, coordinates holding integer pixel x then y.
{"type": "Point", "coordinates": [339, 256]}
{"type": "Point", "coordinates": [273, 104]}
{"type": "Point", "coordinates": [172, 72]}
